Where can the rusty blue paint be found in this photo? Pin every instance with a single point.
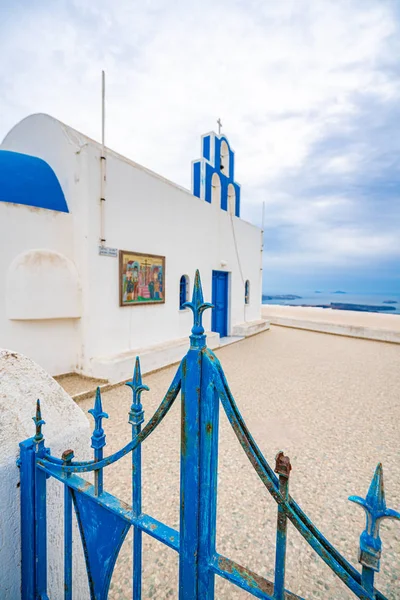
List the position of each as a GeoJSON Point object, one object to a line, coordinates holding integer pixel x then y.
{"type": "Point", "coordinates": [246, 579]}
{"type": "Point", "coordinates": [159, 531]}
{"type": "Point", "coordinates": [27, 467]}
{"type": "Point", "coordinates": [98, 439]}
{"type": "Point", "coordinates": [102, 533]}
{"type": "Point", "coordinates": [104, 519]}
{"type": "Point", "coordinates": [209, 423]}
{"type": "Point", "coordinates": [136, 418]}
{"type": "Point", "coordinates": [370, 542]}
{"type": "Point", "coordinates": [160, 413]}
{"type": "Point", "coordinates": [37, 419]}
{"type": "Point", "coordinates": [190, 471]}
{"type": "Point", "coordinates": [197, 306]}
{"type": "Point", "coordinates": [283, 468]}
{"type": "Point", "coordinates": [341, 567]}
{"type": "Point", "coordinates": [40, 513]}
{"type": "Point", "coordinates": [67, 456]}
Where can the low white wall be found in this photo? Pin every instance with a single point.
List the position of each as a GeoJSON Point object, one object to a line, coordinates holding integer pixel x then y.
{"type": "Point", "coordinates": [370, 326]}
{"type": "Point", "coordinates": [120, 367]}
{"type": "Point", "coordinates": [21, 382]}
{"type": "Point", "coordinates": [250, 328]}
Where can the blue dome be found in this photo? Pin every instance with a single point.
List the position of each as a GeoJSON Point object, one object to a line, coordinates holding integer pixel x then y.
{"type": "Point", "coordinates": [31, 181]}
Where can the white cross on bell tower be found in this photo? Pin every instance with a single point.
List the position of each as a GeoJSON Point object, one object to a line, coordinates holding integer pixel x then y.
{"type": "Point", "coordinates": [219, 126]}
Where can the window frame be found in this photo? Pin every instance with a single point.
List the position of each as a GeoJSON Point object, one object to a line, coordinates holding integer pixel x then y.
{"type": "Point", "coordinates": [247, 292]}
{"type": "Point", "coordinates": [184, 283]}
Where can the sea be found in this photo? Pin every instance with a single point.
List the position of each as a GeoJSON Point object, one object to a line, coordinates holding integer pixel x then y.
{"type": "Point", "coordinates": [314, 299]}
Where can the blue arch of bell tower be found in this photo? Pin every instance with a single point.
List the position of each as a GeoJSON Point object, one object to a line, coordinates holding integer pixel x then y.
{"type": "Point", "coordinates": [217, 157]}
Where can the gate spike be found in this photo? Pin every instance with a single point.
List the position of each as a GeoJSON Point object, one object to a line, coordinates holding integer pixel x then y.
{"type": "Point", "coordinates": [37, 419]}
{"type": "Point", "coordinates": [98, 437]}
{"type": "Point", "coordinates": [375, 509]}
{"type": "Point", "coordinates": [136, 414]}
{"type": "Point", "coordinates": [197, 306]}
{"type": "Point", "coordinates": [136, 385]}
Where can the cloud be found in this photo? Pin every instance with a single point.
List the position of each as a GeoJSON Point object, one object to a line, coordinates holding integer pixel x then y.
{"type": "Point", "coordinates": [307, 92]}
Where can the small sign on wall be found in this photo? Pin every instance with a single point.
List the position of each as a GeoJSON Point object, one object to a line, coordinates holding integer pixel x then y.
{"type": "Point", "coordinates": [105, 251]}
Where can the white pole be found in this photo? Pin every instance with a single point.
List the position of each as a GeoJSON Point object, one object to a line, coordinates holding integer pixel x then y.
{"type": "Point", "coordinates": [263, 216]}
{"type": "Point", "coordinates": [103, 109]}
{"type": "Point", "coordinates": [262, 246]}
{"type": "Point", "coordinates": [262, 226]}
{"type": "Point", "coordinates": [102, 159]}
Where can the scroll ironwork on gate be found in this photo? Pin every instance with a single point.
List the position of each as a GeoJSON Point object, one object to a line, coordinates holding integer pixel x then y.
{"type": "Point", "coordinates": [104, 520]}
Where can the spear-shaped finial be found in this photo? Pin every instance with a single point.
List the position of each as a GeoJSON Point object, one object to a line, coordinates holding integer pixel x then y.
{"type": "Point", "coordinates": [375, 509]}
{"type": "Point", "coordinates": [197, 306]}
{"type": "Point", "coordinates": [136, 414]}
{"type": "Point", "coordinates": [98, 437]}
{"type": "Point", "coordinates": [37, 419]}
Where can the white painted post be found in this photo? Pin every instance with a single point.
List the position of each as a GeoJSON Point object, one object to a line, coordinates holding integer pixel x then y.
{"type": "Point", "coordinates": [103, 175]}
{"type": "Point", "coordinates": [22, 382]}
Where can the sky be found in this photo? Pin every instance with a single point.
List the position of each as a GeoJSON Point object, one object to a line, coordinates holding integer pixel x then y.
{"type": "Point", "coordinates": [308, 92]}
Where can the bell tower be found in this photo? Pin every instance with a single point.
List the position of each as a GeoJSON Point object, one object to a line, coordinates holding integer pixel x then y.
{"type": "Point", "coordinates": [213, 174]}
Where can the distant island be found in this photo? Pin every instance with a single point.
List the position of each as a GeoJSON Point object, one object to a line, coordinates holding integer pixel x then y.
{"type": "Point", "coordinates": [282, 297]}
{"type": "Point", "coordinates": [359, 307]}
{"type": "Point", "coordinates": [289, 300]}
{"type": "Point", "coordinates": [348, 306]}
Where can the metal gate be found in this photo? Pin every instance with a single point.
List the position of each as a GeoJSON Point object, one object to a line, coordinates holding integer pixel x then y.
{"type": "Point", "coordinates": [104, 520]}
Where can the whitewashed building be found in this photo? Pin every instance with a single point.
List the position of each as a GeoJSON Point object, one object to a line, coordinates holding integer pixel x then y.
{"type": "Point", "coordinates": [67, 210]}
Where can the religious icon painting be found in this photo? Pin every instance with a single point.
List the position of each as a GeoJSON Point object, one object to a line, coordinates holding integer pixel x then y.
{"type": "Point", "coordinates": [141, 278]}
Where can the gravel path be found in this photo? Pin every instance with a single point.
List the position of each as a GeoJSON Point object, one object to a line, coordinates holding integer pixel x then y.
{"type": "Point", "coordinates": [76, 384]}
{"type": "Point", "coordinates": [331, 403]}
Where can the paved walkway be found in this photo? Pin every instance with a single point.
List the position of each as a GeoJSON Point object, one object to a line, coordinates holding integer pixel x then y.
{"type": "Point", "coordinates": [331, 403]}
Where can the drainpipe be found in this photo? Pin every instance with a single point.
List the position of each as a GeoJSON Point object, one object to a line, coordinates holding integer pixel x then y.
{"type": "Point", "coordinates": [102, 162]}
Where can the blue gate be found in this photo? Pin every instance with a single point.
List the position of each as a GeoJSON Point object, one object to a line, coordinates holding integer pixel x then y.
{"type": "Point", "coordinates": [104, 520]}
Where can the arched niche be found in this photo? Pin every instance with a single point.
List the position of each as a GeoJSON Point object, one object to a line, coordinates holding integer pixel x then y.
{"type": "Point", "coordinates": [42, 284]}
{"type": "Point", "coordinates": [224, 158]}
{"type": "Point", "coordinates": [216, 190]}
{"type": "Point", "coordinates": [231, 199]}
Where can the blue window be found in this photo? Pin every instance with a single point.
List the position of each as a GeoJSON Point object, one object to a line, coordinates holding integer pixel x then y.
{"type": "Point", "coordinates": [183, 291]}
{"type": "Point", "coordinates": [247, 292]}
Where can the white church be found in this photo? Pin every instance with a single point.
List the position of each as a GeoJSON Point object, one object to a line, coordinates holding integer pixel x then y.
{"type": "Point", "coordinates": [98, 254]}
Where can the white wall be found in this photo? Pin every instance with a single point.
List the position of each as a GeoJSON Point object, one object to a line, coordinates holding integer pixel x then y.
{"type": "Point", "coordinates": [42, 284]}
{"type": "Point", "coordinates": [144, 213]}
{"type": "Point", "coordinates": [54, 344]}
{"type": "Point", "coordinates": [21, 383]}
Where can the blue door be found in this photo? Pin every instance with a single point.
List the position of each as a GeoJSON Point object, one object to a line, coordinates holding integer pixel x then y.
{"type": "Point", "coordinates": [219, 319]}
